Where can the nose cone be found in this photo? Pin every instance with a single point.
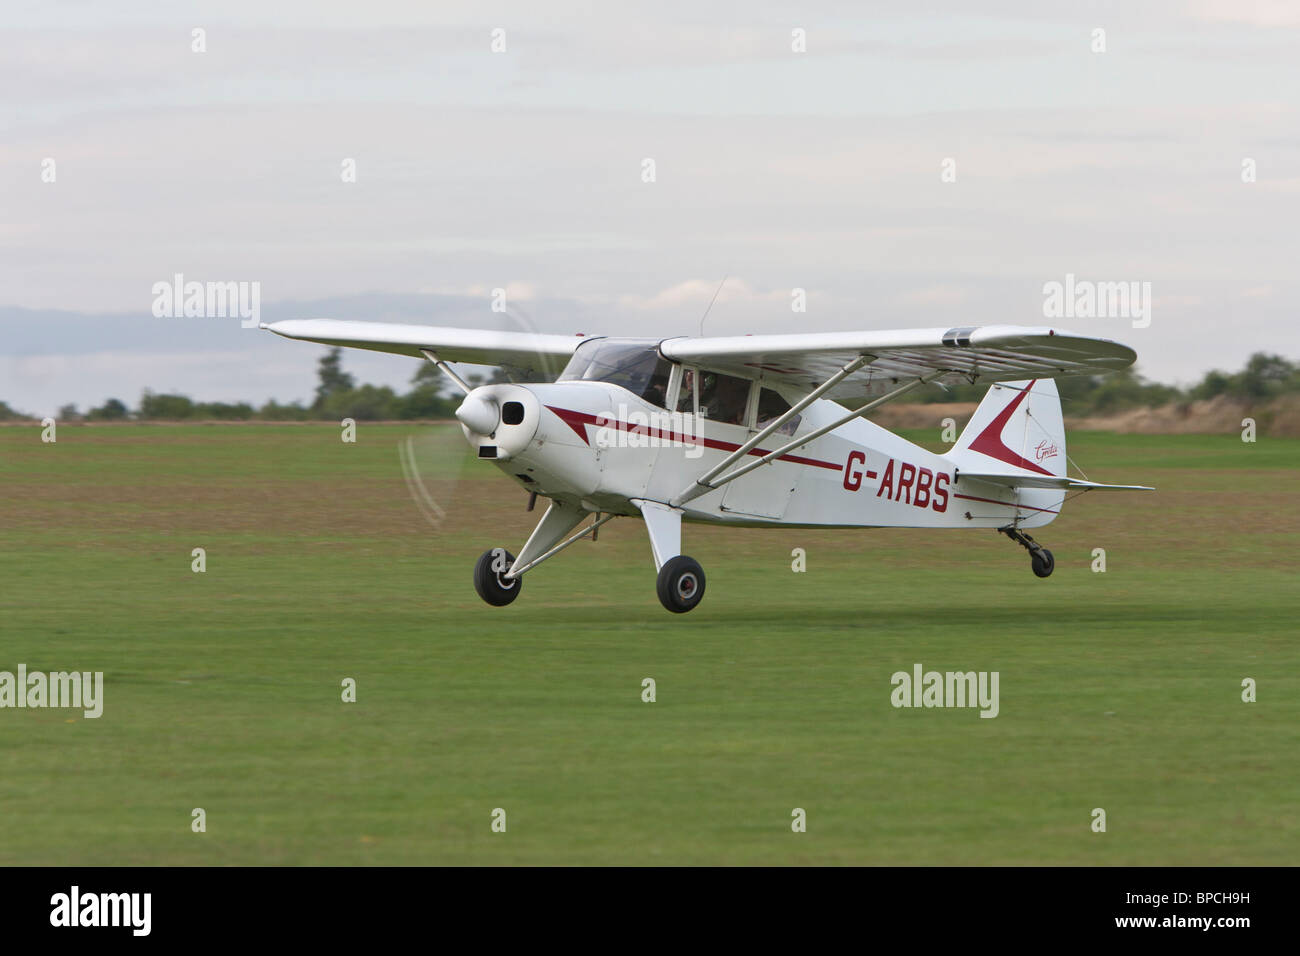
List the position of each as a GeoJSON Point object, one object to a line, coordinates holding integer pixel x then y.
{"type": "Point", "coordinates": [499, 420]}
{"type": "Point", "coordinates": [479, 413]}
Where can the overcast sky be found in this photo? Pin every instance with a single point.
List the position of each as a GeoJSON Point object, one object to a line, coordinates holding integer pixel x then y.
{"type": "Point", "coordinates": [523, 170]}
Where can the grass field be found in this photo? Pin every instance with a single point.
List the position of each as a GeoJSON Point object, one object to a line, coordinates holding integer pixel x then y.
{"type": "Point", "coordinates": [1119, 690]}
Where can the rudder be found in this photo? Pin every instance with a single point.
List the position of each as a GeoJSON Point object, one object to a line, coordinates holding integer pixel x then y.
{"type": "Point", "coordinates": [1017, 428]}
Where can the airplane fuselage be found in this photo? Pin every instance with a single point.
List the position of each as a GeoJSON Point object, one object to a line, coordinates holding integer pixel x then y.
{"type": "Point", "coordinates": [598, 446]}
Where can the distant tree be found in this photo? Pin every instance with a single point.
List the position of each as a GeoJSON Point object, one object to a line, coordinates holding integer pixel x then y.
{"type": "Point", "coordinates": [425, 401]}
{"type": "Point", "coordinates": [1214, 384]}
{"type": "Point", "coordinates": [1266, 375]}
{"type": "Point", "coordinates": [273, 411]}
{"type": "Point", "coordinates": [224, 411]}
{"type": "Point", "coordinates": [333, 380]}
{"type": "Point", "coordinates": [1080, 394]}
{"type": "Point", "coordinates": [429, 374]}
{"type": "Point", "coordinates": [1263, 377]}
{"type": "Point", "coordinates": [165, 407]}
{"type": "Point", "coordinates": [7, 414]}
{"type": "Point", "coordinates": [1126, 389]}
{"type": "Point", "coordinates": [69, 413]}
{"type": "Point", "coordinates": [367, 403]}
{"type": "Point", "coordinates": [494, 376]}
{"type": "Point", "coordinates": [112, 410]}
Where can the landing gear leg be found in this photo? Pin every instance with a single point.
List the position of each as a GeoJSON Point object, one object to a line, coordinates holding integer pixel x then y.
{"type": "Point", "coordinates": [1040, 559]}
{"type": "Point", "coordinates": [498, 575]}
{"type": "Point", "coordinates": [680, 583]}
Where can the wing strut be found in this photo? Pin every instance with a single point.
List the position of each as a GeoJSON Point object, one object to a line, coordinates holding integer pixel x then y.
{"type": "Point", "coordinates": [781, 419]}
{"type": "Point", "coordinates": [517, 569]}
{"type": "Point", "coordinates": [710, 481]}
{"type": "Point", "coordinates": [446, 369]}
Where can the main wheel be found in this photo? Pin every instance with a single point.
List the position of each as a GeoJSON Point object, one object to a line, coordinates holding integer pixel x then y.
{"type": "Point", "coordinates": [680, 584]}
{"type": "Point", "coordinates": [1042, 562]}
{"type": "Point", "coordinates": [490, 581]}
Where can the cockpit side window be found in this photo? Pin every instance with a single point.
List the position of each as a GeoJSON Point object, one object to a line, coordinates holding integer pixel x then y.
{"type": "Point", "coordinates": [686, 393]}
{"type": "Point", "coordinates": [723, 398]}
{"type": "Point", "coordinates": [636, 366]}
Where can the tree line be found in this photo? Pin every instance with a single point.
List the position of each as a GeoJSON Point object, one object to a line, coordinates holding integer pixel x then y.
{"type": "Point", "coordinates": [1263, 377]}
{"type": "Point", "coordinates": [338, 396]}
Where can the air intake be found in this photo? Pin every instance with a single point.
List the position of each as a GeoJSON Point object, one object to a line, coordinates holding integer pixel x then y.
{"type": "Point", "coordinates": [512, 413]}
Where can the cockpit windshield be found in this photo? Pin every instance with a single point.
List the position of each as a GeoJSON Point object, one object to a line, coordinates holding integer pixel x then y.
{"type": "Point", "coordinates": [635, 364]}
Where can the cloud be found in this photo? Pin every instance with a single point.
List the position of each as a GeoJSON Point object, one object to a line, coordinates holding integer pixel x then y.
{"type": "Point", "coordinates": [695, 292]}
{"type": "Point", "coordinates": [1258, 13]}
{"type": "Point", "coordinates": [936, 295]}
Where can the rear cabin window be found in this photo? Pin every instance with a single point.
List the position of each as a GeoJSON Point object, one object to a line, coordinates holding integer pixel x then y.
{"type": "Point", "coordinates": [772, 406]}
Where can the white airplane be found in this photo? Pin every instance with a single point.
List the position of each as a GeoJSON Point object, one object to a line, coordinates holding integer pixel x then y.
{"type": "Point", "coordinates": [753, 431]}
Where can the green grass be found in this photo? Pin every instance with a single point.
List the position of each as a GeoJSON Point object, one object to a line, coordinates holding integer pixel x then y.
{"type": "Point", "coordinates": [1118, 690]}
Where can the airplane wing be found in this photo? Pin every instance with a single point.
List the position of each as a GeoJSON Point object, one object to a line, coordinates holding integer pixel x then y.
{"type": "Point", "coordinates": [1046, 481]}
{"type": "Point", "coordinates": [992, 353]}
{"type": "Point", "coordinates": [531, 352]}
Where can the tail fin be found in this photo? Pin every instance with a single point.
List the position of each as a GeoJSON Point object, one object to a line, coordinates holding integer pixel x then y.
{"type": "Point", "coordinates": [1016, 431]}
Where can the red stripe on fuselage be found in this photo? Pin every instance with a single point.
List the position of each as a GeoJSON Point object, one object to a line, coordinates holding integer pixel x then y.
{"type": "Point", "coordinates": [1009, 504]}
{"type": "Point", "coordinates": [579, 421]}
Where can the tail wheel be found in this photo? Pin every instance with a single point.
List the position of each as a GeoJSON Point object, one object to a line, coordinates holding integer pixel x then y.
{"type": "Point", "coordinates": [490, 581]}
{"type": "Point", "coordinates": [1042, 562]}
{"type": "Point", "coordinates": [680, 584]}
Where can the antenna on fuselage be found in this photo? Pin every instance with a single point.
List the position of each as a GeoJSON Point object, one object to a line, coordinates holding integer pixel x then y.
{"type": "Point", "coordinates": [711, 301]}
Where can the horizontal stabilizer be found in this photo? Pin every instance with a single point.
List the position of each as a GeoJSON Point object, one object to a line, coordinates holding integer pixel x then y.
{"type": "Point", "coordinates": [1045, 481]}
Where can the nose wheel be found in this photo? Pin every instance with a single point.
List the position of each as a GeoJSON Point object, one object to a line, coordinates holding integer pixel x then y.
{"type": "Point", "coordinates": [490, 581]}
{"type": "Point", "coordinates": [1040, 559]}
{"type": "Point", "coordinates": [680, 584]}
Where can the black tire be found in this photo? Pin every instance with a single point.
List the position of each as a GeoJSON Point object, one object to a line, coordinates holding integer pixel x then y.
{"type": "Point", "coordinates": [489, 583]}
{"type": "Point", "coordinates": [1042, 562]}
{"type": "Point", "coordinates": [680, 584]}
